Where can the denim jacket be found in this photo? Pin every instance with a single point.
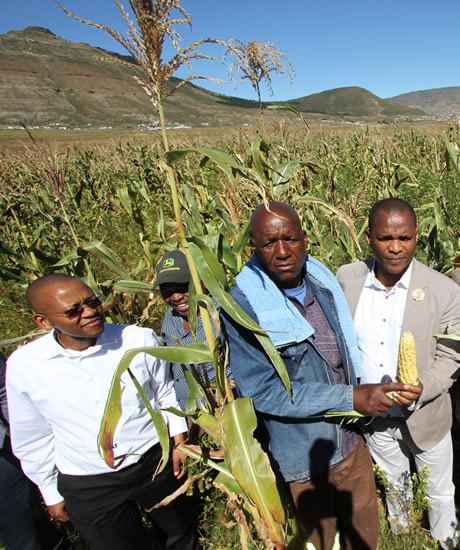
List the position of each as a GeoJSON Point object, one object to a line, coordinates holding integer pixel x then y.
{"type": "Point", "coordinates": [299, 443]}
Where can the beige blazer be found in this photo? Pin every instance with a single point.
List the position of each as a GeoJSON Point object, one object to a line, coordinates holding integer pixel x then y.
{"type": "Point", "coordinates": [432, 307]}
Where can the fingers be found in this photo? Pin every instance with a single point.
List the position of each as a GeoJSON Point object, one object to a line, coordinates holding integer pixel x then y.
{"type": "Point", "coordinates": [178, 460]}
{"type": "Point", "coordinates": [58, 511]}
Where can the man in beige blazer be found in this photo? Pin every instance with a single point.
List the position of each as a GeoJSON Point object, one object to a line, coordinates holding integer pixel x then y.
{"type": "Point", "coordinates": [388, 295]}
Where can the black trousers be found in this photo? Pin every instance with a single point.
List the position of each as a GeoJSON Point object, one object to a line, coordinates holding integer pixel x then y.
{"type": "Point", "coordinates": [23, 523]}
{"type": "Point", "coordinates": [103, 507]}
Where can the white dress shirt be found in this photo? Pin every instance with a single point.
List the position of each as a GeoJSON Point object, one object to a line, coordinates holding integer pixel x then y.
{"type": "Point", "coordinates": [378, 321]}
{"type": "Point", "coordinates": [56, 400]}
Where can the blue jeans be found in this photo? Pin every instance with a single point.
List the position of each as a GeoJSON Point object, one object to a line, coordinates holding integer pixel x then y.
{"type": "Point", "coordinates": [23, 523]}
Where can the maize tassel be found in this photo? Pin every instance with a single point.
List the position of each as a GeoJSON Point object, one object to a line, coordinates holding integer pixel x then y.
{"type": "Point", "coordinates": [407, 366]}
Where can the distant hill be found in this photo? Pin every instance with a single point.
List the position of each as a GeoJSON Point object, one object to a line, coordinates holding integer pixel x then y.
{"type": "Point", "coordinates": [45, 80]}
{"type": "Point", "coordinates": [353, 102]}
{"type": "Point", "coordinates": [437, 101]}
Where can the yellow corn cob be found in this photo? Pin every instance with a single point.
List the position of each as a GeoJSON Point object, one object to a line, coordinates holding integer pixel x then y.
{"type": "Point", "coordinates": [407, 372]}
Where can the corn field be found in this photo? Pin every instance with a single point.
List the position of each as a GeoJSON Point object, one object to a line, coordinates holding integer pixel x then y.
{"type": "Point", "coordinates": [104, 213]}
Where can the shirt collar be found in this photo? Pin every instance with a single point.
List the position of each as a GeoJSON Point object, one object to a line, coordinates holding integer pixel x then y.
{"type": "Point", "coordinates": [373, 282]}
{"type": "Point", "coordinates": [54, 349]}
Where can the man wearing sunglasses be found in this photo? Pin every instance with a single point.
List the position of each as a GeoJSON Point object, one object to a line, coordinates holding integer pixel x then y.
{"type": "Point", "coordinates": [57, 388]}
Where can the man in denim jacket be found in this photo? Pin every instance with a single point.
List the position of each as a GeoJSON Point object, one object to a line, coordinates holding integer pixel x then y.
{"type": "Point", "coordinates": [298, 301]}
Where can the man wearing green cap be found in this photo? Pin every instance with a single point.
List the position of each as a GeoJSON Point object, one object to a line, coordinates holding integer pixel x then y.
{"type": "Point", "coordinates": [173, 279]}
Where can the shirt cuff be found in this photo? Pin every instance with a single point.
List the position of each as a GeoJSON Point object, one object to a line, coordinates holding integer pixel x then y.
{"type": "Point", "coordinates": [176, 424]}
{"type": "Point", "coordinates": [51, 495]}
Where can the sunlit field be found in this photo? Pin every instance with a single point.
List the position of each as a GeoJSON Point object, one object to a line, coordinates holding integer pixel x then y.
{"type": "Point", "coordinates": [96, 204]}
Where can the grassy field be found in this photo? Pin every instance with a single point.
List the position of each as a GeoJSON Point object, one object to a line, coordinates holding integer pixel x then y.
{"type": "Point", "coordinates": [15, 139]}
{"type": "Point", "coordinates": [96, 204]}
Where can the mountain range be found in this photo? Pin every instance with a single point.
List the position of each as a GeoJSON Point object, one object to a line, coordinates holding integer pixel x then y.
{"type": "Point", "coordinates": [48, 81]}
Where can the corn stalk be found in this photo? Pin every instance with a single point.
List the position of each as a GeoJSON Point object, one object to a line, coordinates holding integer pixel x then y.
{"type": "Point", "coordinates": [232, 425]}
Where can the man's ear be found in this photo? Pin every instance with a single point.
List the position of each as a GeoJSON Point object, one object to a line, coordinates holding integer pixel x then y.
{"type": "Point", "coordinates": [305, 239]}
{"type": "Point", "coordinates": [416, 234]}
{"type": "Point", "coordinates": [368, 236]}
{"type": "Point", "coordinates": [42, 322]}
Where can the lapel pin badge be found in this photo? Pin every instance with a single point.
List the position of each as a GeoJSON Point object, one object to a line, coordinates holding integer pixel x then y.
{"type": "Point", "coordinates": [418, 294]}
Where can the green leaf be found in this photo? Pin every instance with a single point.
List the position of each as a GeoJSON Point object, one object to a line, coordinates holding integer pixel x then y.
{"type": "Point", "coordinates": [227, 255]}
{"type": "Point", "coordinates": [105, 255]}
{"type": "Point", "coordinates": [242, 239]}
{"type": "Point", "coordinates": [204, 299]}
{"type": "Point", "coordinates": [227, 220]}
{"type": "Point", "coordinates": [144, 192]}
{"type": "Point", "coordinates": [192, 353]}
{"type": "Point", "coordinates": [224, 480]}
{"type": "Point", "coordinates": [18, 339]}
{"type": "Point", "coordinates": [225, 162]}
{"type": "Point", "coordinates": [194, 391]}
{"type": "Point", "coordinates": [191, 204]}
{"type": "Point", "coordinates": [212, 262]}
{"type": "Point", "coordinates": [210, 424]}
{"type": "Point", "coordinates": [256, 152]}
{"type": "Point", "coordinates": [285, 171]}
{"type": "Point", "coordinates": [251, 466]}
{"type": "Point", "coordinates": [192, 309]}
{"type": "Point", "coordinates": [448, 336]}
{"type": "Point", "coordinates": [217, 156]}
{"type": "Point", "coordinates": [453, 152]}
{"type": "Point", "coordinates": [123, 195]}
{"type": "Point", "coordinates": [112, 415]}
{"type": "Point", "coordinates": [67, 259]}
{"type": "Point", "coordinates": [132, 286]}
{"type": "Point", "coordinates": [158, 421]}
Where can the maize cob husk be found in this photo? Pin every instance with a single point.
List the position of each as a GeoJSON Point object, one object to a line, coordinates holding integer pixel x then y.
{"type": "Point", "coordinates": [407, 366]}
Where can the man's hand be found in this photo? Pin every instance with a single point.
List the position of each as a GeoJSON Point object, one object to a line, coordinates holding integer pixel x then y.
{"type": "Point", "coordinates": [57, 511]}
{"type": "Point", "coordinates": [405, 398]}
{"type": "Point", "coordinates": [371, 399]}
{"type": "Point", "coordinates": [178, 456]}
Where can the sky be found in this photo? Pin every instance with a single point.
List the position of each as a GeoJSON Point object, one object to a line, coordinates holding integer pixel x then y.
{"type": "Point", "coordinates": [388, 47]}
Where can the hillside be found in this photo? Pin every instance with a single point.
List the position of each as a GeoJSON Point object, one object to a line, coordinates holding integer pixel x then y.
{"type": "Point", "coordinates": [48, 81]}
{"type": "Point", "coordinates": [353, 102]}
{"type": "Point", "coordinates": [45, 79]}
{"type": "Point", "coordinates": [437, 101]}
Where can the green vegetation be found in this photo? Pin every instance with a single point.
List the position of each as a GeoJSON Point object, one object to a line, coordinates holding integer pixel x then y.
{"type": "Point", "coordinates": [116, 193]}
{"type": "Point", "coordinates": [104, 212]}
{"type": "Point", "coordinates": [218, 529]}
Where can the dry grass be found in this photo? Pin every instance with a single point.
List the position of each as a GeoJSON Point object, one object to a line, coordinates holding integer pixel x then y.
{"type": "Point", "coordinates": [256, 61]}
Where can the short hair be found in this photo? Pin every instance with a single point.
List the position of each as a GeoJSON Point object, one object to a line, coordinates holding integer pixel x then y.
{"type": "Point", "coordinates": [42, 282]}
{"type": "Point", "coordinates": [391, 205]}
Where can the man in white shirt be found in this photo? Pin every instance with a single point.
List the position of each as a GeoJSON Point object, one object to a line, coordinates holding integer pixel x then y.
{"type": "Point", "coordinates": [388, 295]}
{"type": "Point", "coordinates": [57, 387]}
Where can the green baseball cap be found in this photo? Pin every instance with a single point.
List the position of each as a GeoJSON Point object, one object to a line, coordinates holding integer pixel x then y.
{"type": "Point", "coordinates": [172, 268]}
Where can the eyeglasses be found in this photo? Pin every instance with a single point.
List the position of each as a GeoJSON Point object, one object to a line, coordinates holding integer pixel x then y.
{"type": "Point", "coordinates": [168, 289]}
{"type": "Point", "coordinates": [77, 310]}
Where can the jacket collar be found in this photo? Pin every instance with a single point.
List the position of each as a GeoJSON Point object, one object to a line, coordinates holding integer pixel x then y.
{"type": "Point", "coordinates": [354, 286]}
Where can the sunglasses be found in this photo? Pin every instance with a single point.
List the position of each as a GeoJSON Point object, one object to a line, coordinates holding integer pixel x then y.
{"type": "Point", "coordinates": [77, 310]}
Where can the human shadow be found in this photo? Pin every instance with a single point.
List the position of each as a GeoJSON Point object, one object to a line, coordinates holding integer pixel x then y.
{"type": "Point", "coordinates": [323, 505]}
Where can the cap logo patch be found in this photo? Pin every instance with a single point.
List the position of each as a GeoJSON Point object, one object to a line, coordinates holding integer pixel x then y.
{"type": "Point", "coordinates": [168, 262]}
